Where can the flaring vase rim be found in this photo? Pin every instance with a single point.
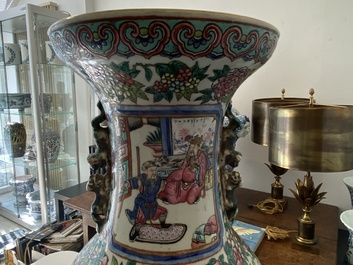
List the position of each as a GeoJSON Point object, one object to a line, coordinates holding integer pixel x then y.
{"type": "Point", "coordinates": [347, 219]}
{"type": "Point", "coordinates": [163, 13]}
{"type": "Point", "coordinates": [348, 181]}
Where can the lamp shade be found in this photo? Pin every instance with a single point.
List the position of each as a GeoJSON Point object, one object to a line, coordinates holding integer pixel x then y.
{"type": "Point", "coordinates": [316, 138]}
{"type": "Point", "coordinates": [260, 132]}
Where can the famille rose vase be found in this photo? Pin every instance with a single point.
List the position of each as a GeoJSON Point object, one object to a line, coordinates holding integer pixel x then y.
{"type": "Point", "coordinates": [164, 78]}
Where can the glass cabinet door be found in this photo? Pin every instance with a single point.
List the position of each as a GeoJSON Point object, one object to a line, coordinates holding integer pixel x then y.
{"type": "Point", "coordinates": [38, 127]}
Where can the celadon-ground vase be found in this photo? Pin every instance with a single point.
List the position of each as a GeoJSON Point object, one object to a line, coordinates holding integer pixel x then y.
{"type": "Point", "coordinates": [348, 181]}
{"type": "Point", "coordinates": [164, 76]}
{"type": "Point", "coordinates": [347, 219]}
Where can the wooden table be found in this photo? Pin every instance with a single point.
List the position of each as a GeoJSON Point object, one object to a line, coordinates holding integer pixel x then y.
{"type": "Point", "coordinates": [83, 203]}
{"type": "Point", "coordinates": [64, 194]}
{"type": "Point", "coordinates": [281, 252]}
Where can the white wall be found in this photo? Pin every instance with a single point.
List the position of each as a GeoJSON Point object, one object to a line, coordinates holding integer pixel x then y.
{"type": "Point", "coordinates": [314, 50]}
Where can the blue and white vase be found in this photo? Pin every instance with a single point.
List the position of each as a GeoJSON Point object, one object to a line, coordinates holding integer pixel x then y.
{"type": "Point", "coordinates": [15, 139]}
{"type": "Point", "coordinates": [21, 186]}
{"type": "Point", "coordinates": [347, 219]}
{"type": "Point", "coordinates": [51, 144]}
{"type": "Point", "coordinates": [348, 181]}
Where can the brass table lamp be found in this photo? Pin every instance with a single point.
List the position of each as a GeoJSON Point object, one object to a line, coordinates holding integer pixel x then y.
{"type": "Point", "coordinates": [260, 133]}
{"type": "Point", "coordinates": [311, 138]}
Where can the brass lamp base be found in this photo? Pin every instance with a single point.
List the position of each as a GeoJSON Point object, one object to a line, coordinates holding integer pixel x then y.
{"type": "Point", "coordinates": [306, 229]}
{"type": "Point", "coordinates": [276, 191]}
{"type": "Point", "coordinates": [305, 240]}
{"type": "Point", "coordinates": [314, 249]}
{"type": "Point", "coordinates": [277, 194]}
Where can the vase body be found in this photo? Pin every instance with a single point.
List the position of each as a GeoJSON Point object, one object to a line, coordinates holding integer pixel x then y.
{"type": "Point", "coordinates": [51, 143]}
{"type": "Point", "coordinates": [348, 181]}
{"type": "Point", "coordinates": [45, 102]}
{"type": "Point", "coordinates": [22, 185]}
{"type": "Point", "coordinates": [169, 74]}
{"type": "Point", "coordinates": [15, 139]}
{"type": "Point", "coordinates": [347, 219]}
{"type": "Point", "coordinates": [347, 216]}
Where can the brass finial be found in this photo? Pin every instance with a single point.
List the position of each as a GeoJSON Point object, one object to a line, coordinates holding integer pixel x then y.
{"type": "Point", "coordinates": [283, 91]}
{"type": "Point", "coordinates": [311, 92]}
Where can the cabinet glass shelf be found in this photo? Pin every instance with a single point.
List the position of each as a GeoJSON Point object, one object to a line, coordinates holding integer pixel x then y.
{"type": "Point", "coordinates": [47, 125]}
{"type": "Point", "coordinates": [63, 161]}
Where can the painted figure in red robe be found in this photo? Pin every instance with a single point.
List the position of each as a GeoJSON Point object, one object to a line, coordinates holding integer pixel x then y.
{"type": "Point", "coordinates": [187, 182]}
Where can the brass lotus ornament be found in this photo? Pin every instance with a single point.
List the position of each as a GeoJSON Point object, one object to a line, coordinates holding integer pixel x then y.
{"type": "Point", "coordinates": [308, 196]}
{"type": "Point", "coordinates": [306, 193]}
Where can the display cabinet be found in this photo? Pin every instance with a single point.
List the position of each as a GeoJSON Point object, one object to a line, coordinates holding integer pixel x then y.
{"type": "Point", "coordinates": [38, 127]}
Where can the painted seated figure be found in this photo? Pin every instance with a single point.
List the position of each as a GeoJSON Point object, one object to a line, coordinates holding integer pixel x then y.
{"type": "Point", "coordinates": [187, 182]}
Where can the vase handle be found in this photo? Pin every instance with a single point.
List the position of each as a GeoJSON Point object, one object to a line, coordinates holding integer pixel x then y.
{"type": "Point", "coordinates": [234, 127]}
{"type": "Point", "coordinates": [101, 186]}
{"type": "Point", "coordinates": [100, 182]}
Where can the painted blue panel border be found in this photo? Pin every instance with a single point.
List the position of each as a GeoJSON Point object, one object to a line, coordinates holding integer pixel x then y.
{"type": "Point", "coordinates": [164, 111]}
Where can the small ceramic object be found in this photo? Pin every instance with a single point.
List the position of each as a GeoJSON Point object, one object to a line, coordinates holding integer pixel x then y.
{"type": "Point", "coordinates": [5, 177]}
{"type": "Point", "coordinates": [35, 206]}
{"type": "Point", "coordinates": [51, 144]}
{"type": "Point", "coordinates": [45, 102]}
{"type": "Point", "coordinates": [12, 54]}
{"type": "Point", "coordinates": [347, 219]}
{"type": "Point", "coordinates": [168, 74]}
{"type": "Point", "coordinates": [30, 155]}
{"type": "Point", "coordinates": [21, 186]}
{"type": "Point", "coordinates": [24, 51]}
{"type": "Point", "coordinates": [51, 57]}
{"type": "Point", "coordinates": [15, 139]}
{"type": "Point", "coordinates": [15, 101]}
